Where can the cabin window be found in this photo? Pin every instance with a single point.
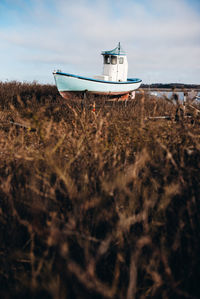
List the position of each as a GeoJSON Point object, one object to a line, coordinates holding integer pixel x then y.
{"type": "Point", "coordinates": [113, 59]}
{"type": "Point", "coordinates": [106, 59]}
{"type": "Point", "coordinates": [121, 60]}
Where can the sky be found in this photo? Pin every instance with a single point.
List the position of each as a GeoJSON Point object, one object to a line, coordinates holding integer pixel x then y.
{"type": "Point", "coordinates": [161, 38]}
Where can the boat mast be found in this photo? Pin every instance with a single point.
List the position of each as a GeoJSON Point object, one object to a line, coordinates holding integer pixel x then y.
{"type": "Point", "coordinates": [119, 48]}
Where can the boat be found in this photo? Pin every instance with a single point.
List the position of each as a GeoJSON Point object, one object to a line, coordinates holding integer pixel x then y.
{"type": "Point", "coordinates": [112, 83]}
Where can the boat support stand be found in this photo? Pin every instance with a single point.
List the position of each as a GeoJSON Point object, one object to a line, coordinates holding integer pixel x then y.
{"type": "Point", "coordinates": [83, 101]}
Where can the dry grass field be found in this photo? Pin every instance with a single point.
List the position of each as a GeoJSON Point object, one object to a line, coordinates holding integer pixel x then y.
{"type": "Point", "coordinates": [98, 205]}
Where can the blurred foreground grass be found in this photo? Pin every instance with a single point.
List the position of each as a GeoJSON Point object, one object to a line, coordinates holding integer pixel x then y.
{"type": "Point", "coordinates": [97, 205]}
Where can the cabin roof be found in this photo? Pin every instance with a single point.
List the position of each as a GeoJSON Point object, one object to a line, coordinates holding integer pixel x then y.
{"type": "Point", "coordinates": [116, 51]}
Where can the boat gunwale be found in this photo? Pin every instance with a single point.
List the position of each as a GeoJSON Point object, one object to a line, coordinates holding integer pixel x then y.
{"type": "Point", "coordinates": [129, 80]}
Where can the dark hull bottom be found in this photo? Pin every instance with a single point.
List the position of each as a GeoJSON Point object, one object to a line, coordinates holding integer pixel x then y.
{"type": "Point", "coordinates": [81, 95]}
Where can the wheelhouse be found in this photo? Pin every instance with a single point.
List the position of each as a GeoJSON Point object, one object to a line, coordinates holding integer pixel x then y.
{"type": "Point", "coordinates": [115, 65]}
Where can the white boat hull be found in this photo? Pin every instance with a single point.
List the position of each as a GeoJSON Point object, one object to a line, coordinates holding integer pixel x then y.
{"type": "Point", "coordinates": [69, 84]}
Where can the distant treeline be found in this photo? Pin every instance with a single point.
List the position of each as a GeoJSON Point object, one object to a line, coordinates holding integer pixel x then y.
{"type": "Point", "coordinates": [171, 85]}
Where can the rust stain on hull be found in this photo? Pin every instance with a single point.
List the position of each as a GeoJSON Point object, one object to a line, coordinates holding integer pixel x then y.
{"type": "Point", "coordinates": [79, 95]}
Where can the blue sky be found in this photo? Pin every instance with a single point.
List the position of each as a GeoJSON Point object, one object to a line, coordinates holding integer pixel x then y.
{"type": "Point", "coordinates": [161, 38]}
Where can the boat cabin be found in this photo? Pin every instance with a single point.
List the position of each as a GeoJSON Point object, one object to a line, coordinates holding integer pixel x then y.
{"type": "Point", "coordinates": [115, 65]}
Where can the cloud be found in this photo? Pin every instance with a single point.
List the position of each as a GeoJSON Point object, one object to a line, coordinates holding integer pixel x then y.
{"type": "Point", "coordinates": [162, 38]}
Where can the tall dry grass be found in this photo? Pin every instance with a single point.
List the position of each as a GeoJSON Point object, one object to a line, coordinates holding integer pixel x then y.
{"type": "Point", "coordinates": [97, 205]}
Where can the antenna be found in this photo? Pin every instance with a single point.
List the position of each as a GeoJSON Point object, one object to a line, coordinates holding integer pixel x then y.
{"type": "Point", "coordinates": [119, 48]}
